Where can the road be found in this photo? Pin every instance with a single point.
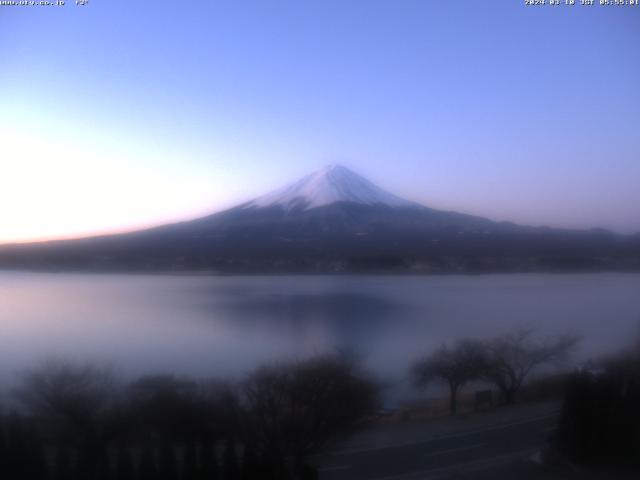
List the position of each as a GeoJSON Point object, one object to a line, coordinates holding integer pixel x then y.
{"type": "Point", "coordinates": [486, 449]}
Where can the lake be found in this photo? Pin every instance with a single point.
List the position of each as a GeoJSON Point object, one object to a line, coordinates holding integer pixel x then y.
{"type": "Point", "coordinates": [223, 326]}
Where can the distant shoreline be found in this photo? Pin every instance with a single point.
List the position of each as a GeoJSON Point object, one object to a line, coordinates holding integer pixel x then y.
{"type": "Point", "coordinates": [266, 273]}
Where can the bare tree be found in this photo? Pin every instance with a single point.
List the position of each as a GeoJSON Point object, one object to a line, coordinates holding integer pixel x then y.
{"type": "Point", "coordinates": [73, 394]}
{"type": "Point", "coordinates": [513, 356]}
{"type": "Point", "coordinates": [455, 365]}
{"type": "Point", "coordinates": [72, 400]}
{"type": "Point", "coordinates": [297, 408]}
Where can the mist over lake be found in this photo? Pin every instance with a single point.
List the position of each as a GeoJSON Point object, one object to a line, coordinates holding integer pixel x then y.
{"type": "Point", "coordinates": [210, 326]}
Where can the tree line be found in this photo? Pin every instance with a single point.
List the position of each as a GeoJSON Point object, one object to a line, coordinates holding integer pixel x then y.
{"type": "Point", "coordinates": [77, 422]}
{"type": "Point", "coordinates": [70, 421]}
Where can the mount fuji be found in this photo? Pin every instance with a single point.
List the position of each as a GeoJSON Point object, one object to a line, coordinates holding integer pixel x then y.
{"type": "Point", "coordinates": [334, 220]}
{"type": "Point", "coordinates": [331, 184]}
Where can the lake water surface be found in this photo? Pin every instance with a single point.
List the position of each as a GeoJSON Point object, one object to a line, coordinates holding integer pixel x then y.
{"type": "Point", "coordinates": [224, 326]}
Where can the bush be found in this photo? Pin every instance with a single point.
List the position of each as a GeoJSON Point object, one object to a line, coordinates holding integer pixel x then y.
{"type": "Point", "coordinates": [295, 409]}
{"type": "Point", "coordinates": [600, 419]}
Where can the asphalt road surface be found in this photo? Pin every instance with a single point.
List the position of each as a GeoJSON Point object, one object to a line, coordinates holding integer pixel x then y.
{"type": "Point", "coordinates": [503, 450]}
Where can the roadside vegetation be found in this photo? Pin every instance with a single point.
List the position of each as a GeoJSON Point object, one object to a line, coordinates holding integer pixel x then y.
{"type": "Point", "coordinates": [600, 419]}
{"type": "Point", "coordinates": [66, 421]}
{"type": "Point", "coordinates": [599, 422]}
{"type": "Point", "coordinates": [71, 422]}
{"type": "Point", "coordinates": [505, 363]}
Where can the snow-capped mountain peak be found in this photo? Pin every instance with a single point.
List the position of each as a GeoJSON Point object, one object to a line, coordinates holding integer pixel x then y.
{"type": "Point", "coordinates": [330, 184]}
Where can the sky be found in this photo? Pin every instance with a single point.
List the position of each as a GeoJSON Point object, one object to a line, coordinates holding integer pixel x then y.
{"type": "Point", "coordinates": [119, 115]}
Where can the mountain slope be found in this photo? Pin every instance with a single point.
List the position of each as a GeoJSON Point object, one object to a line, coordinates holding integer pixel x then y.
{"type": "Point", "coordinates": [335, 220]}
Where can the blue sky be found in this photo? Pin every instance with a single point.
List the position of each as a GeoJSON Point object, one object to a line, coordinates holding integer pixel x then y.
{"type": "Point", "coordinates": [121, 114]}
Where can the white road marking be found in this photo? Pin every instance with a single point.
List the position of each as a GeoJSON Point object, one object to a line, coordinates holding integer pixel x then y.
{"type": "Point", "coordinates": [453, 450]}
